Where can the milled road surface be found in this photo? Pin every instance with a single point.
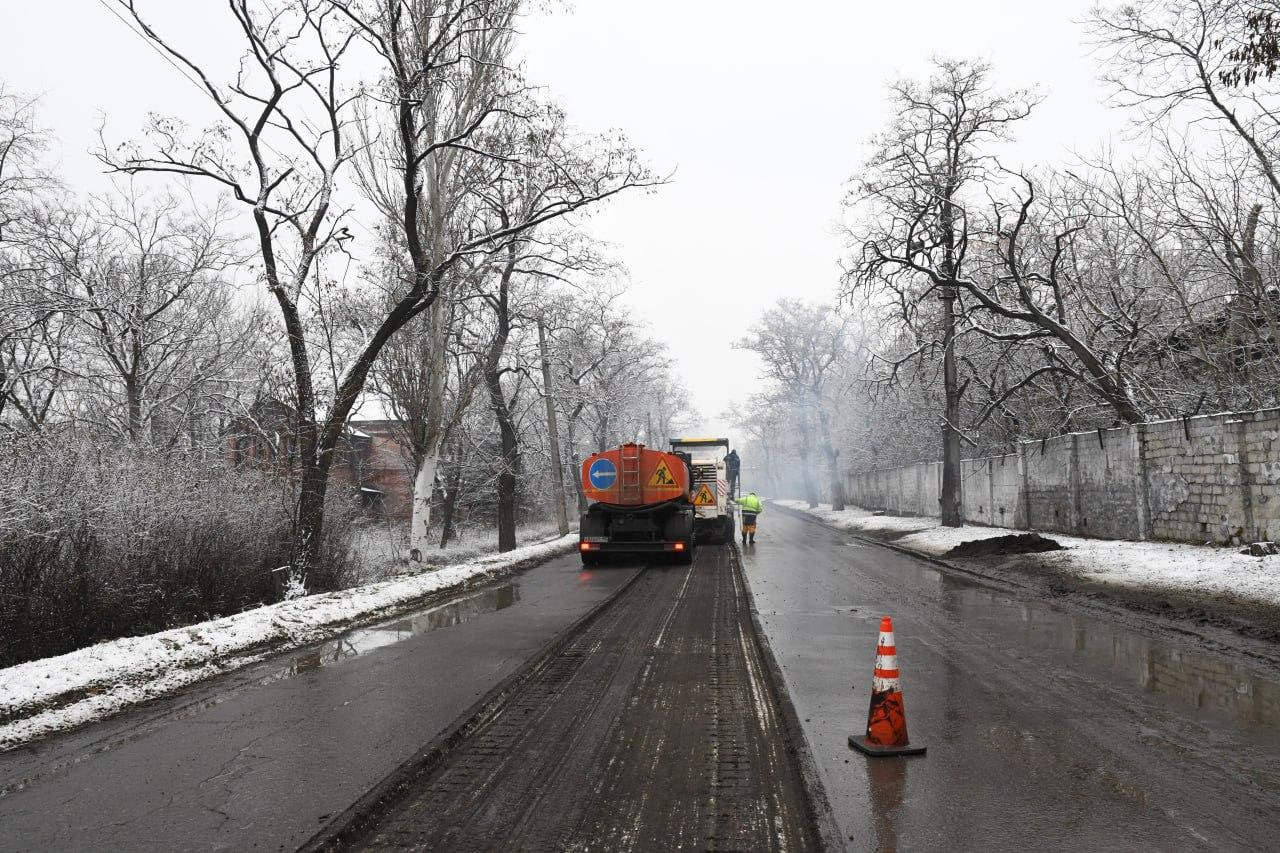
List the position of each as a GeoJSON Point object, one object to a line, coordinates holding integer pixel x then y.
{"type": "Point", "coordinates": [262, 758]}
{"type": "Point", "coordinates": [1049, 727]}
{"type": "Point", "coordinates": [654, 729]}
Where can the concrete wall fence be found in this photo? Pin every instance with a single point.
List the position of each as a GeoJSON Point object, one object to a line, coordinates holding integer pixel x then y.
{"type": "Point", "coordinates": [1211, 478]}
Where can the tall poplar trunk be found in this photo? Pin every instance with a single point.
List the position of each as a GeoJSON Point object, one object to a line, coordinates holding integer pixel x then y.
{"type": "Point", "coordinates": [806, 463]}
{"type": "Point", "coordinates": [453, 488]}
{"type": "Point", "coordinates": [509, 440]}
{"type": "Point", "coordinates": [575, 461]}
{"type": "Point", "coordinates": [430, 429]}
{"type": "Point", "coordinates": [553, 434]}
{"type": "Point", "coordinates": [833, 457]}
{"type": "Point", "coordinates": [509, 461]}
{"type": "Point", "coordinates": [309, 525]}
{"type": "Point", "coordinates": [420, 512]}
{"type": "Point", "coordinates": [952, 507]}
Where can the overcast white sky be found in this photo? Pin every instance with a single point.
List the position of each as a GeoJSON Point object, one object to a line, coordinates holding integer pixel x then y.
{"type": "Point", "coordinates": [761, 109]}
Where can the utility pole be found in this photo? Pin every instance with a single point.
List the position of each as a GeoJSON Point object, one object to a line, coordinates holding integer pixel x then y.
{"type": "Point", "coordinates": [553, 432]}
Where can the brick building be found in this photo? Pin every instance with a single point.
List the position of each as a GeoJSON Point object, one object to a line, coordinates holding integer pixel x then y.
{"type": "Point", "coordinates": [373, 462]}
{"type": "Point", "coordinates": [377, 462]}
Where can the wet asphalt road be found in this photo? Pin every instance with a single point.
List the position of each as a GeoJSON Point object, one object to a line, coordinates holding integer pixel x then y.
{"type": "Point", "coordinates": [261, 758]}
{"type": "Point", "coordinates": [1046, 728]}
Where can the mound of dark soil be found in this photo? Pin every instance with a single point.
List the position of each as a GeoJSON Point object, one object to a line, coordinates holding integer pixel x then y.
{"type": "Point", "coordinates": [1014, 543]}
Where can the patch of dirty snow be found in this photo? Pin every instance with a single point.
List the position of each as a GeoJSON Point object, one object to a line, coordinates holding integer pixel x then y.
{"type": "Point", "coordinates": [861, 520]}
{"type": "Point", "coordinates": [1175, 566]}
{"type": "Point", "coordinates": [61, 692]}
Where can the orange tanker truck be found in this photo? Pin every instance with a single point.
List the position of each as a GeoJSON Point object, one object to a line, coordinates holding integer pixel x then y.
{"type": "Point", "coordinates": [640, 504]}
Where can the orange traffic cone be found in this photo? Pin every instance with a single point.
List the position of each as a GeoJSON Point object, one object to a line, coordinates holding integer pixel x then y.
{"type": "Point", "coordinates": [887, 718]}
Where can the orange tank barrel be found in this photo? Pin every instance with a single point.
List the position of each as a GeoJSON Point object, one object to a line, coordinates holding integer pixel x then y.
{"type": "Point", "coordinates": [634, 475]}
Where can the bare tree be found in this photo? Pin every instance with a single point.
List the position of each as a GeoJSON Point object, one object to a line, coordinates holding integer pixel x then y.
{"type": "Point", "coordinates": [293, 89]}
{"type": "Point", "coordinates": [428, 375]}
{"type": "Point", "coordinates": [463, 132]}
{"type": "Point", "coordinates": [914, 236]}
{"type": "Point", "coordinates": [1168, 56]}
{"type": "Point", "coordinates": [146, 286]}
{"type": "Point", "coordinates": [1199, 74]}
{"type": "Point", "coordinates": [613, 382]}
{"type": "Point", "coordinates": [22, 143]}
{"type": "Point", "coordinates": [29, 351]}
{"type": "Point", "coordinates": [279, 149]}
{"type": "Point", "coordinates": [449, 78]}
{"type": "Point", "coordinates": [800, 346]}
{"type": "Point", "coordinates": [33, 354]}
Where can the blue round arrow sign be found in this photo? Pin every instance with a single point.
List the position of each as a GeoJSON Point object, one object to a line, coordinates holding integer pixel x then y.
{"type": "Point", "coordinates": [602, 473]}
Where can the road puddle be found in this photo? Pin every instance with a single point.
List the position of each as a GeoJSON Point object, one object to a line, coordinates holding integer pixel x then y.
{"type": "Point", "coordinates": [364, 640]}
{"type": "Point", "coordinates": [1203, 681]}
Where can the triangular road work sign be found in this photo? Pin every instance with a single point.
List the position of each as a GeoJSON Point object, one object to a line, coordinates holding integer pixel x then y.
{"type": "Point", "coordinates": [704, 496]}
{"type": "Point", "coordinates": [662, 478]}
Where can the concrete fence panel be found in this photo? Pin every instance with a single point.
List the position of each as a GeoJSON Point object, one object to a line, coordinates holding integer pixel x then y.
{"type": "Point", "coordinates": [1211, 478]}
{"type": "Point", "coordinates": [1048, 481]}
{"type": "Point", "coordinates": [1006, 490]}
{"type": "Point", "coordinates": [975, 490]}
{"type": "Point", "coordinates": [1107, 485]}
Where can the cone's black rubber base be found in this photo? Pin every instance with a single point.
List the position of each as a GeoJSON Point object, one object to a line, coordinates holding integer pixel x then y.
{"type": "Point", "coordinates": [859, 742]}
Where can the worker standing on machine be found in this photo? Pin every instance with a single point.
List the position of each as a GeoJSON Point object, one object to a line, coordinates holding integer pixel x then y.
{"type": "Point", "coordinates": [751, 507]}
{"type": "Point", "coordinates": [733, 466]}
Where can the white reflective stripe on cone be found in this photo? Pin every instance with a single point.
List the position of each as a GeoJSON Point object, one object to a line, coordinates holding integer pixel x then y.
{"type": "Point", "coordinates": [886, 638]}
{"type": "Point", "coordinates": [885, 685]}
{"type": "Point", "coordinates": [886, 661]}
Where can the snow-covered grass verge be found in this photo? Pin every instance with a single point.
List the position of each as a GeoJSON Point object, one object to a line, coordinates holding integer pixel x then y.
{"type": "Point", "coordinates": [61, 692]}
{"type": "Point", "coordinates": [381, 551]}
{"type": "Point", "coordinates": [1197, 570]}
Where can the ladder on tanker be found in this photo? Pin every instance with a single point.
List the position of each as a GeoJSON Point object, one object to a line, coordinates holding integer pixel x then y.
{"type": "Point", "coordinates": [629, 476]}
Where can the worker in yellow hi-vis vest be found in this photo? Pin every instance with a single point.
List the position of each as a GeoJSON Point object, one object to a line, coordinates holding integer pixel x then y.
{"type": "Point", "coordinates": [751, 507]}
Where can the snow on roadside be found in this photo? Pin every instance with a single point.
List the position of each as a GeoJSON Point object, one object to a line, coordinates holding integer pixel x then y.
{"type": "Point", "coordinates": [61, 692]}
{"type": "Point", "coordinates": [1195, 569]}
{"type": "Point", "coordinates": [383, 549]}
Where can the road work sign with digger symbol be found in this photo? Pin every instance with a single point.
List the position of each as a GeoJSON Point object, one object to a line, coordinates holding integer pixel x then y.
{"type": "Point", "coordinates": [704, 496]}
{"type": "Point", "coordinates": [662, 478]}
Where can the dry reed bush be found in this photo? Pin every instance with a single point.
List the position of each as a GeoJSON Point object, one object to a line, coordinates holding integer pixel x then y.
{"type": "Point", "coordinates": [98, 542]}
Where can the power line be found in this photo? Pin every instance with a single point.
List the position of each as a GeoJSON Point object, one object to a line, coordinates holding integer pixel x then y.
{"type": "Point", "coordinates": [203, 89]}
{"type": "Point", "coordinates": [151, 44]}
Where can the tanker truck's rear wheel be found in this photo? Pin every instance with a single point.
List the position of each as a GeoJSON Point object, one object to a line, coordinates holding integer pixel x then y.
{"type": "Point", "coordinates": [592, 558]}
